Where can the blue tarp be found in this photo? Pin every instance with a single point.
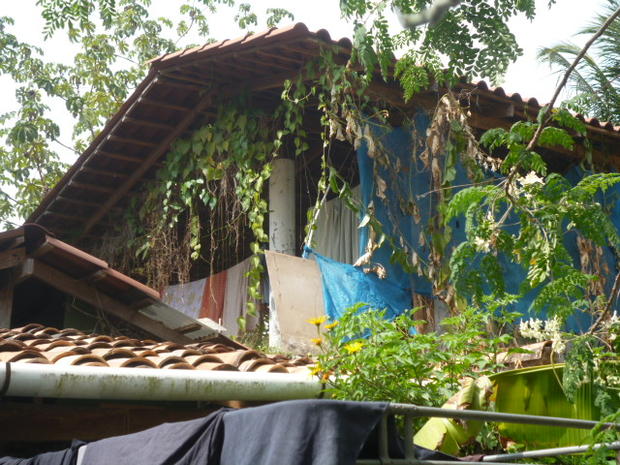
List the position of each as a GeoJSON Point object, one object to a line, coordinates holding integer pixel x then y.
{"type": "Point", "coordinates": [345, 285]}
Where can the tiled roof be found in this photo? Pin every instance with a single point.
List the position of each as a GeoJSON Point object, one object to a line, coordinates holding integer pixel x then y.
{"type": "Point", "coordinates": [35, 343]}
{"type": "Point", "coordinates": [533, 103]}
{"type": "Point", "coordinates": [181, 92]}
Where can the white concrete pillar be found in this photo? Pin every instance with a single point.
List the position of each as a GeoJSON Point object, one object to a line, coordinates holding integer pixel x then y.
{"type": "Point", "coordinates": [282, 206]}
{"type": "Point", "coordinates": [281, 228]}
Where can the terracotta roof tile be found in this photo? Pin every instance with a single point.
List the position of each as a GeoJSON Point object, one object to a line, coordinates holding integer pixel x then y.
{"type": "Point", "coordinates": [38, 344]}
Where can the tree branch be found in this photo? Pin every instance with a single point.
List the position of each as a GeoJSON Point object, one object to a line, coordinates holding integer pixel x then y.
{"type": "Point", "coordinates": [546, 113]}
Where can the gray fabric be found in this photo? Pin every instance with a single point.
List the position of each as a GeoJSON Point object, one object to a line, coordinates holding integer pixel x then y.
{"type": "Point", "coordinates": [302, 432]}
{"type": "Point", "coordinates": [194, 442]}
{"type": "Point", "coordinates": [80, 455]}
{"type": "Point", "coordinates": [337, 234]}
{"type": "Point", "coordinates": [61, 457]}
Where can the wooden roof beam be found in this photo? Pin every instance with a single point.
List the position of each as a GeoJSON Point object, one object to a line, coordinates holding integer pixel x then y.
{"type": "Point", "coordinates": [102, 172]}
{"type": "Point", "coordinates": [162, 104]}
{"type": "Point", "coordinates": [148, 123]}
{"type": "Point", "coordinates": [91, 187]}
{"type": "Point", "coordinates": [150, 160]}
{"type": "Point", "coordinates": [120, 156]}
{"type": "Point", "coordinates": [98, 299]}
{"type": "Point", "coordinates": [131, 141]}
{"type": "Point", "coordinates": [80, 202]}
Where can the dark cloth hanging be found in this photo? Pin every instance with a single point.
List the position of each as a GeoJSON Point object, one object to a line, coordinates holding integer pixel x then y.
{"type": "Point", "coordinates": [300, 432]}
{"type": "Point", "coordinates": [61, 457]}
{"type": "Point", "coordinates": [194, 442]}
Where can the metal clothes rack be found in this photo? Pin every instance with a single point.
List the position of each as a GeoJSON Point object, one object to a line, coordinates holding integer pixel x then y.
{"type": "Point", "coordinates": [413, 411]}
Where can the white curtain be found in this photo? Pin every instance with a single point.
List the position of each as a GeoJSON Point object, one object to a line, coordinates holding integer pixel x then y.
{"type": "Point", "coordinates": [337, 235]}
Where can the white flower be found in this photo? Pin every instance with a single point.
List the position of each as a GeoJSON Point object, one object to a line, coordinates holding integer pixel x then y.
{"type": "Point", "coordinates": [549, 330]}
{"type": "Point", "coordinates": [530, 178]}
{"type": "Point", "coordinates": [482, 245]}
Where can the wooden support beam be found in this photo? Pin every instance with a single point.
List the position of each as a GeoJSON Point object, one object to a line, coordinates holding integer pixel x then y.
{"type": "Point", "coordinates": [120, 156]}
{"type": "Point", "coordinates": [42, 249]}
{"type": "Point", "coordinates": [102, 172]}
{"type": "Point", "coordinates": [132, 141]}
{"type": "Point", "coordinates": [188, 77]}
{"type": "Point", "coordinates": [172, 81]}
{"type": "Point", "coordinates": [7, 286]}
{"type": "Point", "coordinates": [96, 276]}
{"type": "Point", "coordinates": [151, 159]}
{"type": "Point", "coordinates": [91, 187]}
{"type": "Point", "coordinates": [147, 123]}
{"type": "Point", "coordinates": [98, 299]}
{"type": "Point", "coordinates": [12, 257]}
{"type": "Point", "coordinates": [168, 105]}
{"type": "Point", "coordinates": [275, 56]}
{"type": "Point", "coordinates": [64, 216]}
{"type": "Point", "coordinates": [148, 162]}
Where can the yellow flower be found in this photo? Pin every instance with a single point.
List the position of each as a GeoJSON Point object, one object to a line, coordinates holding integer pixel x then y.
{"type": "Point", "coordinates": [331, 325]}
{"type": "Point", "coordinates": [316, 369]}
{"type": "Point", "coordinates": [317, 340]}
{"type": "Point", "coordinates": [353, 347]}
{"type": "Point", "coordinates": [318, 321]}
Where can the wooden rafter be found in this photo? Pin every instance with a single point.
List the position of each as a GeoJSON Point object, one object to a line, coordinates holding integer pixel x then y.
{"type": "Point", "coordinates": [91, 187]}
{"type": "Point", "coordinates": [124, 188]}
{"type": "Point", "coordinates": [132, 141]}
{"type": "Point", "coordinates": [119, 156]}
{"type": "Point", "coordinates": [148, 123]}
{"type": "Point", "coordinates": [161, 103]}
{"type": "Point", "coordinates": [98, 299]}
{"type": "Point", "coordinates": [102, 172]}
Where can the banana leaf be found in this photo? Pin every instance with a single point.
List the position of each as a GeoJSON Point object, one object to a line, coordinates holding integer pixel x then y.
{"type": "Point", "coordinates": [538, 391]}
{"type": "Point", "coordinates": [449, 435]}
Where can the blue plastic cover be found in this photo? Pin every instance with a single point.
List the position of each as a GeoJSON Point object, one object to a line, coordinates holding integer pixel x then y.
{"type": "Point", "coordinates": [346, 285]}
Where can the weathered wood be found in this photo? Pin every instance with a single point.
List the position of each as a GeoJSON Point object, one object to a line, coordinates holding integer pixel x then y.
{"type": "Point", "coordinates": [82, 203]}
{"type": "Point", "coordinates": [148, 162]}
{"type": "Point", "coordinates": [64, 216]}
{"type": "Point", "coordinates": [132, 141]}
{"type": "Point", "coordinates": [172, 81]}
{"type": "Point", "coordinates": [148, 123]}
{"type": "Point", "coordinates": [12, 257]}
{"type": "Point", "coordinates": [91, 187]}
{"type": "Point", "coordinates": [168, 105]}
{"type": "Point", "coordinates": [98, 299]}
{"type": "Point", "coordinates": [102, 172]}
{"type": "Point", "coordinates": [7, 285]}
{"type": "Point", "coordinates": [120, 156]}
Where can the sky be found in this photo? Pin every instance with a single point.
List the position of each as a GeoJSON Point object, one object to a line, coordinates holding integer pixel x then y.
{"type": "Point", "coordinates": [526, 76]}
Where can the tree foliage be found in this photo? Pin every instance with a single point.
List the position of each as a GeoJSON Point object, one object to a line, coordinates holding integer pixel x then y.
{"type": "Point", "coordinates": [113, 39]}
{"type": "Point", "coordinates": [594, 85]}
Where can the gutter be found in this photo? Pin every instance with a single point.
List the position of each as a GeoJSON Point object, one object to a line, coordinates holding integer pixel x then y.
{"type": "Point", "coordinates": [148, 384]}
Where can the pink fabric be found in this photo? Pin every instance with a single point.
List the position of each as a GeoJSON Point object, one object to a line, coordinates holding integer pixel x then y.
{"type": "Point", "coordinates": [213, 297]}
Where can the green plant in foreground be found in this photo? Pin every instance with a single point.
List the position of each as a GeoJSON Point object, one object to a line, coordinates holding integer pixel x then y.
{"type": "Point", "coordinates": [367, 357]}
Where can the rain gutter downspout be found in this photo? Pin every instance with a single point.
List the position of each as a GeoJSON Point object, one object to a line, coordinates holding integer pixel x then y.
{"type": "Point", "coordinates": [85, 382]}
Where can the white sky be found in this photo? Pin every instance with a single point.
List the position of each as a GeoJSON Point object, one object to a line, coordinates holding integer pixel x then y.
{"type": "Point", "coordinates": [526, 76]}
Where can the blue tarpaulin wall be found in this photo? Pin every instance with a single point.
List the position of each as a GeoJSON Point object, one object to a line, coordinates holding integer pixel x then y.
{"type": "Point", "coordinates": [345, 285]}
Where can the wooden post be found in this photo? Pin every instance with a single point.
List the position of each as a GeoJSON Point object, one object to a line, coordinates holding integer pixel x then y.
{"type": "Point", "coordinates": [7, 284]}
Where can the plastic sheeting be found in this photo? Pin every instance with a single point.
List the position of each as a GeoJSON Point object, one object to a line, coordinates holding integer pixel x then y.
{"type": "Point", "coordinates": [402, 188]}
{"type": "Point", "coordinates": [345, 285]}
{"type": "Point", "coordinates": [413, 182]}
